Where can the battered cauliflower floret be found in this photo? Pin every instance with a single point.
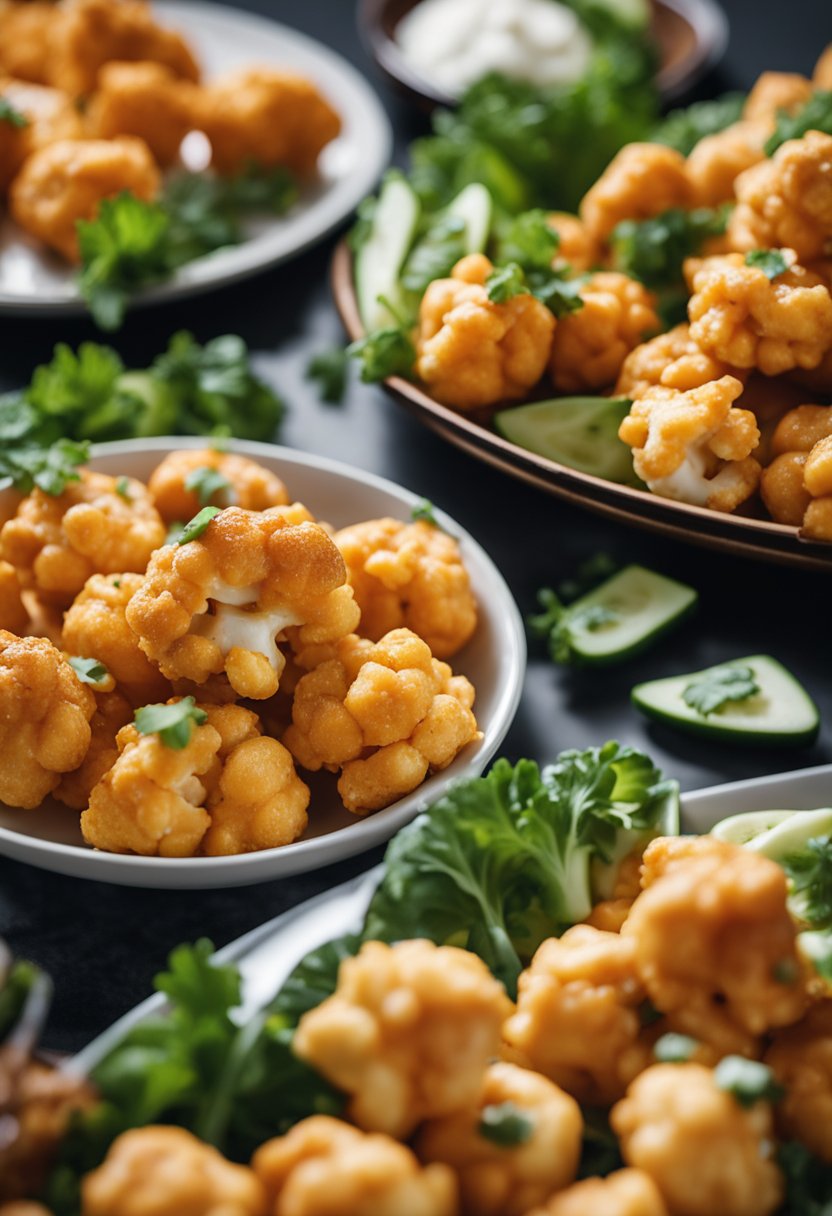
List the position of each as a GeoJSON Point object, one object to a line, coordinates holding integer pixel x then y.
{"type": "Point", "coordinates": [817, 478]}
{"type": "Point", "coordinates": [577, 1018]}
{"type": "Point", "coordinates": [384, 721]}
{"type": "Point", "coordinates": [718, 160]}
{"type": "Point", "coordinates": [695, 446]}
{"type": "Point", "coordinates": [66, 182]}
{"type": "Point", "coordinates": [249, 485]}
{"type": "Point", "coordinates": [324, 1167]}
{"type": "Point", "coordinates": [45, 714]}
{"type": "Point", "coordinates": [715, 945]}
{"type": "Point", "coordinates": [56, 542]}
{"type": "Point", "coordinates": [166, 1171]}
{"type": "Point", "coordinates": [112, 712]}
{"type": "Point", "coordinates": [94, 32]}
{"type": "Point", "coordinates": [577, 249]}
{"type": "Point", "coordinates": [506, 1180]}
{"type": "Point", "coordinates": [822, 75]}
{"type": "Point", "coordinates": [769, 398]}
{"type": "Point", "coordinates": [473, 352]}
{"type": "Point", "coordinates": [641, 181]}
{"type": "Point", "coordinates": [147, 100]}
{"type": "Point", "coordinates": [782, 489]}
{"type": "Point", "coordinates": [412, 576]}
{"type": "Point", "coordinates": [13, 614]}
{"type": "Point", "coordinates": [801, 1060]}
{"type": "Point", "coordinates": [267, 116]}
{"type": "Point", "coordinates": [28, 33]}
{"type": "Point", "coordinates": [670, 359]}
{"type": "Point", "coordinates": [259, 802]}
{"type": "Point", "coordinates": [787, 200]}
{"type": "Point", "coordinates": [50, 116]}
{"type": "Point", "coordinates": [739, 315]}
{"type": "Point", "coordinates": [221, 602]}
{"type": "Point", "coordinates": [775, 91]}
{"type": "Point", "coordinates": [624, 1193]}
{"type": "Point", "coordinates": [590, 345]}
{"type": "Point", "coordinates": [408, 1033]}
{"type": "Point", "coordinates": [801, 428]}
{"type": "Point", "coordinates": [705, 1152]}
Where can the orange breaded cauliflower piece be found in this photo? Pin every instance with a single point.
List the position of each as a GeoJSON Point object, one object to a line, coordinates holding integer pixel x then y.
{"type": "Point", "coordinates": [13, 614]}
{"type": "Point", "coordinates": [28, 33]}
{"type": "Point", "coordinates": [671, 359]}
{"type": "Point", "coordinates": [705, 1152]}
{"type": "Point", "coordinates": [715, 945]}
{"type": "Point", "coordinates": [250, 485]}
{"type": "Point", "coordinates": [268, 116]}
{"type": "Point", "coordinates": [506, 1180]}
{"type": "Point", "coordinates": [112, 712]}
{"type": "Point", "coordinates": [590, 345]}
{"type": "Point", "coordinates": [577, 249]}
{"type": "Point", "coordinates": [739, 315]}
{"type": "Point", "coordinates": [473, 352]}
{"type": "Point", "coordinates": [259, 801]}
{"type": "Point", "coordinates": [94, 32]}
{"type": "Point", "coordinates": [412, 576]}
{"type": "Point", "coordinates": [45, 714]}
{"type": "Point", "coordinates": [66, 182]}
{"type": "Point", "coordinates": [166, 1171]}
{"type": "Point", "coordinates": [56, 542]}
{"type": "Point", "coordinates": [408, 1033]}
{"type": "Point", "coordinates": [717, 160]}
{"type": "Point", "coordinates": [147, 100]}
{"type": "Point", "coordinates": [641, 181]}
{"type": "Point", "coordinates": [95, 626]}
{"type": "Point", "coordinates": [787, 200]}
{"type": "Point", "coordinates": [623, 1193]}
{"type": "Point", "coordinates": [50, 116]}
{"type": "Point", "coordinates": [801, 1059]}
{"type": "Point", "coordinates": [221, 602]}
{"type": "Point", "coordinates": [324, 1167]}
{"type": "Point", "coordinates": [774, 91]}
{"type": "Point", "coordinates": [694, 446]}
{"type": "Point", "coordinates": [801, 428]}
{"type": "Point", "coordinates": [817, 479]}
{"type": "Point", "coordinates": [782, 490]}
{"type": "Point", "coordinates": [577, 1018]}
{"type": "Point", "coordinates": [822, 75]}
{"type": "Point", "coordinates": [385, 714]}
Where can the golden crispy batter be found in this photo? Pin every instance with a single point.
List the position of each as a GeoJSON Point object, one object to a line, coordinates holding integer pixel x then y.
{"type": "Point", "coordinates": [609, 914]}
{"type": "Point", "coordinates": [258, 802]}
{"type": "Point", "coordinates": [112, 711]}
{"type": "Point", "coordinates": [252, 486]}
{"type": "Point", "coordinates": [671, 359]}
{"type": "Point", "coordinates": [50, 116]}
{"type": "Point", "coordinates": [801, 1060]}
{"type": "Point", "coordinates": [783, 492]}
{"type": "Point", "coordinates": [13, 614]}
{"type": "Point", "coordinates": [45, 713]}
{"type": "Point", "coordinates": [577, 249]}
{"type": "Point", "coordinates": [787, 200]}
{"type": "Point", "coordinates": [718, 160]}
{"type": "Point", "coordinates": [801, 428]}
{"type": "Point", "coordinates": [822, 75]}
{"type": "Point", "coordinates": [412, 576]}
{"type": "Point", "coordinates": [165, 1171]}
{"type": "Point", "coordinates": [324, 1167]}
{"type": "Point", "coordinates": [496, 1180]}
{"type": "Point", "coordinates": [641, 181]}
{"type": "Point", "coordinates": [67, 181]}
{"type": "Point", "coordinates": [705, 1152]}
{"type": "Point", "coordinates": [472, 352]}
{"type": "Point", "coordinates": [774, 91]}
{"type": "Point", "coordinates": [147, 100]}
{"type": "Point", "coordinates": [590, 345]}
{"type": "Point", "coordinates": [623, 1193]}
{"type": "Point", "coordinates": [769, 398]}
{"type": "Point", "coordinates": [28, 35]}
{"type": "Point", "coordinates": [817, 478]}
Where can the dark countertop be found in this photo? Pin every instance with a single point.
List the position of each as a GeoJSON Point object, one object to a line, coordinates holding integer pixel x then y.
{"type": "Point", "coordinates": [102, 943]}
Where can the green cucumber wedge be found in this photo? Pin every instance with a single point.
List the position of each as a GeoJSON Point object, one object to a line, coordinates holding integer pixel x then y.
{"type": "Point", "coordinates": [635, 607]}
{"type": "Point", "coordinates": [474, 206]}
{"type": "Point", "coordinates": [579, 432]}
{"type": "Point", "coordinates": [775, 834]}
{"type": "Point", "coordinates": [379, 261]}
{"type": "Point", "coordinates": [781, 714]}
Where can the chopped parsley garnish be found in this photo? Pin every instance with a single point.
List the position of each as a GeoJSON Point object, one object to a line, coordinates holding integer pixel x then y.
{"type": "Point", "coordinates": [383, 353]}
{"type": "Point", "coordinates": [770, 261]}
{"type": "Point", "coordinates": [506, 282]}
{"type": "Point", "coordinates": [9, 113]}
{"type": "Point", "coordinates": [172, 723]}
{"type": "Point", "coordinates": [810, 879]}
{"type": "Point", "coordinates": [674, 1048]}
{"type": "Point", "coordinates": [558, 623]}
{"type": "Point", "coordinates": [209, 484]}
{"type": "Point", "coordinates": [197, 525]}
{"type": "Point", "coordinates": [50, 469]}
{"type": "Point", "coordinates": [719, 686]}
{"type": "Point", "coordinates": [329, 369]}
{"type": "Point", "coordinates": [748, 1081]}
{"type": "Point", "coordinates": [89, 671]}
{"type": "Point", "coordinates": [123, 488]}
{"type": "Point", "coordinates": [505, 1124]}
{"type": "Point", "coordinates": [814, 115]}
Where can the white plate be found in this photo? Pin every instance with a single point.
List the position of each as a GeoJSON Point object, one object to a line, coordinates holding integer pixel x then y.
{"type": "Point", "coordinates": [33, 281]}
{"type": "Point", "coordinates": [494, 660]}
{"type": "Point", "coordinates": [267, 955]}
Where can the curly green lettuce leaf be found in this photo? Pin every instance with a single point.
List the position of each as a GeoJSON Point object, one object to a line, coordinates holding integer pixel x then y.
{"type": "Point", "coordinates": [682, 129]}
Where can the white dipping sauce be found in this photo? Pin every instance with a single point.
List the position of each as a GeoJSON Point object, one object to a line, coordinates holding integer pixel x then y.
{"type": "Point", "coordinates": [453, 43]}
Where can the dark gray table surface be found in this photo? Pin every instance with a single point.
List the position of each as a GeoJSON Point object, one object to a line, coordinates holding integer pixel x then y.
{"type": "Point", "coordinates": [103, 944]}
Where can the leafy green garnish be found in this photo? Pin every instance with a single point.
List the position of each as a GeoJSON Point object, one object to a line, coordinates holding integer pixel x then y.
{"type": "Point", "coordinates": [329, 368]}
{"type": "Point", "coordinates": [748, 1081]}
{"type": "Point", "coordinates": [810, 881]}
{"type": "Point", "coordinates": [172, 723]}
{"type": "Point", "coordinates": [425, 512]}
{"type": "Point", "coordinates": [435, 253]}
{"type": "Point", "coordinates": [505, 282]}
{"type": "Point", "coordinates": [808, 1181]}
{"type": "Point", "coordinates": [682, 129]}
{"type": "Point", "coordinates": [14, 993]}
{"type": "Point", "coordinates": [527, 239]}
{"type": "Point", "coordinates": [123, 488]}
{"type": "Point", "coordinates": [814, 115]}
{"type": "Point", "coordinates": [49, 469]}
{"type": "Point", "coordinates": [505, 1125]}
{"type": "Point", "coordinates": [89, 671]}
{"type": "Point", "coordinates": [770, 261]}
{"type": "Point", "coordinates": [209, 484]}
{"type": "Point", "coordinates": [195, 527]}
{"type": "Point", "coordinates": [718, 686]}
{"type": "Point", "coordinates": [174, 532]}
{"type": "Point", "coordinates": [674, 1048]}
{"type": "Point", "coordinates": [10, 114]}
{"type": "Point", "coordinates": [653, 250]}
{"type": "Point", "coordinates": [560, 295]}
{"type": "Point", "coordinates": [385, 352]}
{"type": "Point", "coordinates": [558, 623]}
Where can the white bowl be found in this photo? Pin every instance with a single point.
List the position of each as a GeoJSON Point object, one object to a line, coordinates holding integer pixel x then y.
{"type": "Point", "coordinates": [494, 660]}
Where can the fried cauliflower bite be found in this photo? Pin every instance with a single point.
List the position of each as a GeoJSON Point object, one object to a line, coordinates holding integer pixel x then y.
{"type": "Point", "coordinates": [28, 33]}
{"type": "Point", "coordinates": [590, 345]}
{"type": "Point", "coordinates": [112, 712]}
{"type": "Point", "coordinates": [782, 490]}
{"type": "Point", "coordinates": [775, 91]}
{"type": "Point", "coordinates": [769, 398]}
{"type": "Point", "coordinates": [66, 182]}
{"type": "Point", "coordinates": [671, 359]}
{"type": "Point", "coordinates": [717, 160]}
{"type": "Point", "coordinates": [384, 714]}
{"type": "Point", "coordinates": [705, 1152]}
{"type": "Point", "coordinates": [695, 446]}
{"type": "Point", "coordinates": [50, 116]}
{"type": "Point", "coordinates": [408, 1033]}
{"type": "Point", "coordinates": [259, 801]}
{"type": "Point", "coordinates": [324, 1167]}
{"type": "Point", "coordinates": [221, 602]}
{"type": "Point", "coordinates": [250, 485]}
{"type": "Point", "coordinates": [45, 714]}
{"type": "Point", "coordinates": [801, 1059]}
{"type": "Point", "coordinates": [623, 1193]}
{"type": "Point", "coordinates": [801, 428]}
{"type": "Point", "coordinates": [56, 542]}
{"type": "Point", "coordinates": [147, 100]}
{"type": "Point", "coordinates": [822, 75]}
{"type": "Point", "coordinates": [739, 315]}
{"type": "Point", "coordinates": [473, 352]}
{"type": "Point", "coordinates": [817, 479]}
{"type": "Point", "coordinates": [506, 1180]}
{"type": "Point", "coordinates": [411, 576]}
{"type": "Point", "coordinates": [641, 181]}
{"type": "Point", "coordinates": [268, 117]}
{"type": "Point", "coordinates": [13, 614]}
{"type": "Point", "coordinates": [166, 1171]}
{"type": "Point", "coordinates": [787, 200]}
{"type": "Point", "coordinates": [577, 249]}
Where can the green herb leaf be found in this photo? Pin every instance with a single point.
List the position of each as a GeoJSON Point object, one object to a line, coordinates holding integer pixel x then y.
{"type": "Point", "coordinates": [682, 129]}
{"type": "Point", "coordinates": [558, 624]}
{"type": "Point", "coordinates": [172, 723]}
{"type": "Point", "coordinates": [810, 880]}
{"type": "Point", "coordinates": [329, 368]}
{"type": "Point", "coordinates": [124, 249]}
{"type": "Point", "coordinates": [89, 671]}
{"type": "Point", "coordinates": [435, 253]}
{"type": "Point", "coordinates": [505, 1125]}
{"type": "Point", "coordinates": [719, 686]}
{"type": "Point", "coordinates": [15, 990]}
{"type": "Point", "coordinates": [383, 353]}
{"type": "Point", "coordinates": [123, 488]}
{"type": "Point", "coordinates": [748, 1081]}
{"type": "Point", "coordinates": [426, 512]}
{"type": "Point", "coordinates": [770, 261]}
{"type": "Point", "coordinates": [814, 115]}
{"type": "Point", "coordinates": [506, 282]}
{"type": "Point", "coordinates": [197, 525]}
{"type": "Point", "coordinates": [49, 469]}
{"type": "Point", "coordinates": [654, 250]}
{"type": "Point", "coordinates": [209, 484]}
{"type": "Point", "coordinates": [529, 240]}
{"type": "Point", "coordinates": [10, 114]}
{"type": "Point", "coordinates": [174, 533]}
{"type": "Point", "coordinates": [561, 296]}
{"type": "Point", "coordinates": [674, 1048]}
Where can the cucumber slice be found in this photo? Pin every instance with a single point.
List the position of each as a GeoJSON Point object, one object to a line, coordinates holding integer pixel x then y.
{"type": "Point", "coordinates": [787, 831]}
{"type": "Point", "coordinates": [603, 874]}
{"type": "Point", "coordinates": [379, 261]}
{"type": "Point", "coordinates": [580, 432]}
{"type": "Point", "coordinates": [642, 606]}
{"type": "Point", "coordinates": [474, 206]}
{"type": "Point", "coordinates": [743, 829]}
{"type": "Point", "coordinates": [781, 714]}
